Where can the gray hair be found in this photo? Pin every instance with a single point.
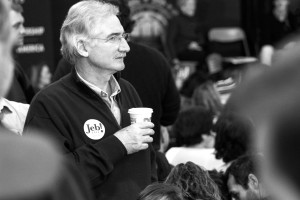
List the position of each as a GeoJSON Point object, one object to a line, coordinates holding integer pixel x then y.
{"type": "Point", "coordinates": [80, 21]}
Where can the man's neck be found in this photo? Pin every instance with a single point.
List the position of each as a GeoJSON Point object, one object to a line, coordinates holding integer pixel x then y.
{"type": "Point", "coordinates": [95, 76]}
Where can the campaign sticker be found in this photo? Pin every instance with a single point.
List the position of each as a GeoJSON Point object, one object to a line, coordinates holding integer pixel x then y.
{"type": "Point", "coordinates": [94, 129]}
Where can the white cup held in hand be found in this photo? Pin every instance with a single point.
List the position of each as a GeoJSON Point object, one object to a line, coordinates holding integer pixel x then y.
{"type": "Point", "coordinates": [140, 115]}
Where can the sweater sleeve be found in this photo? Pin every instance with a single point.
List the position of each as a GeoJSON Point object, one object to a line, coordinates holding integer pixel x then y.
{"type": "Point", "coordinates": [95, 160]}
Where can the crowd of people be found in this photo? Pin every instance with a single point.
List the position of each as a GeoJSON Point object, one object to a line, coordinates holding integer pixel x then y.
{"type": "Point", "coordinates": [74, 138]}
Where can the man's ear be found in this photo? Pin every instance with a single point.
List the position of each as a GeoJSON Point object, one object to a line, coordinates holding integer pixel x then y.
{"type": "Point", "coordinates": [253, 182]}
{"type": "Point", "coordinates": [80, 45]}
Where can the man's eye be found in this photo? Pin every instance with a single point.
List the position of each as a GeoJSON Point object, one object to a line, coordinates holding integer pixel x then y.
{"type": "Point", "coordinates": [113, 38]}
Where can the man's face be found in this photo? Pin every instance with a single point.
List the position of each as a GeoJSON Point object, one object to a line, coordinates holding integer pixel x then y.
{"type": "Point", "coordinates": [17, 23]}
{"type": "Point", "coordinates": [188, 7]}
{"type": "Point", "coordinates": [238, 192]}
{"type": "Point", "coordinates": [107, 48]}
{"type": "Point", "coordinates": [281, 4]}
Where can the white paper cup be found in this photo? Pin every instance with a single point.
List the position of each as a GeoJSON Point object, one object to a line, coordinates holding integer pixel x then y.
{"type": "Point", "coordinates": [140, 115]}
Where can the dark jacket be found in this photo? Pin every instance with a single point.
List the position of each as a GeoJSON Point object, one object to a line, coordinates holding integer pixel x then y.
{"type": "Point", "coordinates": [150, 74]}
{"type": "Point", "coordinates": [21, 89]}
{"type": "Point", "coordinates": [64, 110]}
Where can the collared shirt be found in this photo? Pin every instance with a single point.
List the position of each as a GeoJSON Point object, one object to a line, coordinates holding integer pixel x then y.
{"type": "Point", "coordinates": [109, 100]}
{"type": "Point", "coordinates": [14, 115]}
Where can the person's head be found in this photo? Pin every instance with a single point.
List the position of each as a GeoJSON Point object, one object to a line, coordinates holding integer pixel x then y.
{"type": "Point", "coordinates": [188, 88]}
{"type": "Point", "coordinates": [6, 42]}
{"type": "Point", "coordinates": [234, 135]}
{"type": "Point", "coordinates": [206, 95]}
{"type": "Point", "coordinates": [243, 180]}
{"type": "Point", "coordinates": [93, 33]}
{"type": "Point", "coordinates": [161, 191]}
{"type": "Point", "coordinates": [17, 21]}
{"type": "Point", "coordinates": [194, 181]}
{"type": "Point", "coordinates": [281, 4]}
{"type": "Point", "coordinates": [193, 126]}
{"type": "Point", "coordinates": [187, 7]}
{"type": "Point", "coordinates": [40, 75]}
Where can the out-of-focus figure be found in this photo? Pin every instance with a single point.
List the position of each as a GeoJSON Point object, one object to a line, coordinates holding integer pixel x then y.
{"type": "Point", "coordinates": [194, 139]}
{"type": "Point", "coordinates": [277, 25]}
{"type": "Point", "coordinates": [21, 89]}
{"type": "Point", "coordinates": [6, 42]}
{"type": "Point", "coordinates": [40, 76]}
{"type": "Point", "coordinates": [184, 36]}
{"type": "Point", "coordinates": [24, 160]}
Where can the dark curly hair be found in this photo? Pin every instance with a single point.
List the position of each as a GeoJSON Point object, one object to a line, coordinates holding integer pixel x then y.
{"type": "Point", "coordinates": [194, 181]}
{"type": "Point", "coordinates": [234, 134]}
{"type": "Point", "coordinates": [191, 125]}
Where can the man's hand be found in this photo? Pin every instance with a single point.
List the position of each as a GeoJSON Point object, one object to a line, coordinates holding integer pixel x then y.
{"type": "Point", "coordinates": [136, 136]}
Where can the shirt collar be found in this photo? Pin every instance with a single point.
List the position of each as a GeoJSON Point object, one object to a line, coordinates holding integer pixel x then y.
{"type": "Point", "coordinates": [5, 105]}
{"type": "Point", "coordinates": [115, 87]}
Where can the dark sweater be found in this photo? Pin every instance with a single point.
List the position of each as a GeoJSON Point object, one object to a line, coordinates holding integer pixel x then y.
{"type": "Point", "coordinates": [62, 111]}
{"type": "Point", "coordinates": [150, 74]}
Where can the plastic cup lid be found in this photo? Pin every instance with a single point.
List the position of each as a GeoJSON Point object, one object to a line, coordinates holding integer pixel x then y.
{"type": "Point", "coordinates": [140, 110]}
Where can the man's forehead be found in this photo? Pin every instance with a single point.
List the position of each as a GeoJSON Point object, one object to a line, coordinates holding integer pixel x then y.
{"type": "Point", "coordinates": [16, 16]}
{"type": "Point", "coordinates": [232, 184]}
{"type": "Point", "coordinates": [108, 26]}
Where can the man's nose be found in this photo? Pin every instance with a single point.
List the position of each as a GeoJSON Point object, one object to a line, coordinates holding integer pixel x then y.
{"type": "Point", "coordinates": [22, 30]}
{"type": "Point", "coordinates": [124, 46]}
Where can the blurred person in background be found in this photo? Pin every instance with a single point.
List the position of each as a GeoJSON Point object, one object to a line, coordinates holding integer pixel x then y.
{"type": "Point", "coordinates": [184, 37]}
{"type": "Point", "coordinates": [21, 89]}
{"type": "Point", "coordinates": [87, 110]}
{"type": "Point", "coordinates": [194, 139]}
{"type": "Point", "coordinates": [273, 99]}
{"type": "Point", "coordinates": [40, 76]}
{"type": "Point", "coordinates": [12, 114]}
{"type": "Point", "coordinates": [244, 181]}
{"type": "Point", "coordinates": [161, 191]}
{"type": "Point", "coordinates": [6, 39]}
{"type": "Point", "coordinates": [234, 137]}
{"type": "Point", "coordinates": [198, 90]}
{"type": "Point", "coordinates": [194, 182]}
{"type": "Point", "coordinates": [277, 25]}
{"type": "Point", "coordinates": [24, 160]}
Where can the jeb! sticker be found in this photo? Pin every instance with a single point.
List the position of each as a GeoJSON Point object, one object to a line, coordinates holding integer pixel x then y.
{"type": "Point", "coordinates": [94, 129]}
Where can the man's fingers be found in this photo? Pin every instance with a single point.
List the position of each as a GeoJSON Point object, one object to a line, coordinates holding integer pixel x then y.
{"type": "Point", "coordinates": [148, 139]}
{"type": "Point", "coordinates": [147, 131]}
{"type": "Point", "coordinates": [145, 125]}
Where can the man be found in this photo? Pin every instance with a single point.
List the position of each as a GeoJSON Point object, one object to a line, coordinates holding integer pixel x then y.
{"type": "Point", "coordinates": [86, 111]}
{"type": "Point", "coordinates": [243, 181]}
{"type": "Point", "coordinates": [6, 42]}
{"type": "Point", "coordinates": [154, 83]}
{"type": "Point", "coordinates": [21, 89]}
